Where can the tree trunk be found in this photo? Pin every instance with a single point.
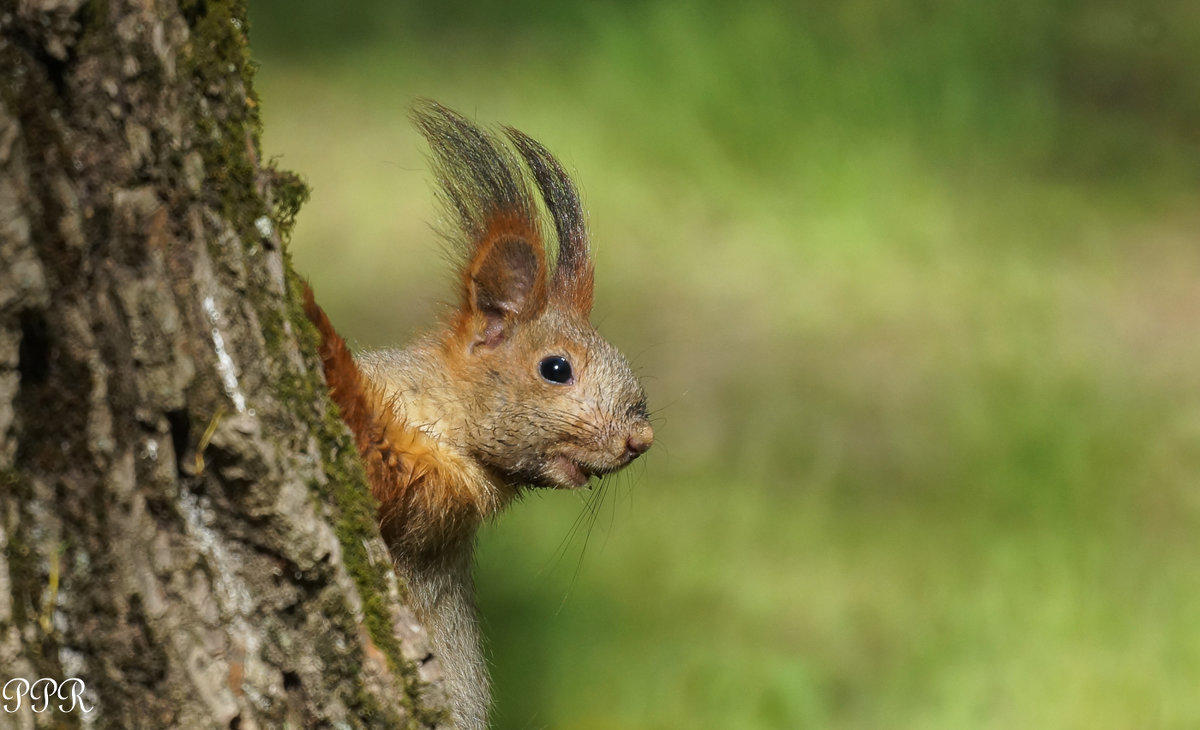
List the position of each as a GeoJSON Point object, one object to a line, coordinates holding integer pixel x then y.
{"type": "Point", "coordinates": [184, 522]}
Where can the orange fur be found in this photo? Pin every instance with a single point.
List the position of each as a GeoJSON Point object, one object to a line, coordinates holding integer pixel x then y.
{"type": "Point", "coordinates": [423, 502]}
{"type": "Point", "coordinates": [577, 294]}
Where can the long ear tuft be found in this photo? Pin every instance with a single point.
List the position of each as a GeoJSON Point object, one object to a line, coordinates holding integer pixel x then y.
{"type": "Point", "coordinates": [574, 272]}
{"type": "Point", "coordinates": [483, 187]}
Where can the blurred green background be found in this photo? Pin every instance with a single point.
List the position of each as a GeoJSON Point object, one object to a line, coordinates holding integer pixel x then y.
{"type": "Point", "coordinates": [915, 290]}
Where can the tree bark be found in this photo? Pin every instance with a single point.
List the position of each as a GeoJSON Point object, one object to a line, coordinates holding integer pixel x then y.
{"type": "Point", "coordinates": [183, 520]}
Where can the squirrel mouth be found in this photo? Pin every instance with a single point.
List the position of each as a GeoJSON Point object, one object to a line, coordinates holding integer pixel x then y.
{"type": "Point", "coordinates": [574, 474]}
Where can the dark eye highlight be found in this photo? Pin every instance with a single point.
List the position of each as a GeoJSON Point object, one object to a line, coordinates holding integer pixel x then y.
{"type": "Point", "coordinates": [555, 369]}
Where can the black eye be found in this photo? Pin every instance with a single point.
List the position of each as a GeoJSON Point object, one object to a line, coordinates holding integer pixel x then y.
{"type": "Point", "coordinates": [555, 369]}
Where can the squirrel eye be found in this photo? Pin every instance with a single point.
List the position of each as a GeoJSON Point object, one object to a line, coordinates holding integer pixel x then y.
{"type": "Point", "coordinates": [555, 369]}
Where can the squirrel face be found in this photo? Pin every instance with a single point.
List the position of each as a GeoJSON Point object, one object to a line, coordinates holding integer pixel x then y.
{"type": "Point", "coordinates": [554, 404]}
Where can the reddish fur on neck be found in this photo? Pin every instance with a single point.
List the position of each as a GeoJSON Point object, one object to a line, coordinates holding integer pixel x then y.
{"type": "Point", "coordinates": [423, 502]}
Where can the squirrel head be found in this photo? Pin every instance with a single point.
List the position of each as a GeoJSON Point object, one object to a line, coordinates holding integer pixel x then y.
{"type": "Point", "coordinates": [547, 401]}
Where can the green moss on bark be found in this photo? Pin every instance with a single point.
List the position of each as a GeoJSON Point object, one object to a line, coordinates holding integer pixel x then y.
{"type": "Point", "coordinates": [289, 194]}
{"type": "Point", "coordinates": [217, 59]}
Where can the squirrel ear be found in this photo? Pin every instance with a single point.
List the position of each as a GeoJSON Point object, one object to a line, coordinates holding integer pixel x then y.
{"type": "Point", "coordinates": [481, 185]}
{"type": "Point", "coordinates": [505, 284]}
{"type": "Point", "coordinates": [573, 275]}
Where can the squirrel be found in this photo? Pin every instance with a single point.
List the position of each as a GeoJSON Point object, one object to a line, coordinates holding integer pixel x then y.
{"type": "Point", "coordinates": [515, 390]}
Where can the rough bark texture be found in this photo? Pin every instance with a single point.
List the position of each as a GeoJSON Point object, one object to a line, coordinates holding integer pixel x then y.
{"type": "Point", "coordinates": [183, 521]}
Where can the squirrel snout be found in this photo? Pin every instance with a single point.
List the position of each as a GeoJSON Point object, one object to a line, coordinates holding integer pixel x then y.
{"type": "Point", "coordinates": [640, 438]}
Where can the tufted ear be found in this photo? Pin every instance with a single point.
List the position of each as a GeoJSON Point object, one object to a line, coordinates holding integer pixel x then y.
{"type": "Point", "coordinates": [504, 284]}
{"type": "Point", "coordinates": [573, 279]}
{"type": "Point", "coordinates": [504, 277]}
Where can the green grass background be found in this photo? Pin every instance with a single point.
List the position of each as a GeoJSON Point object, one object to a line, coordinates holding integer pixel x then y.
{"type": "Point", "coordinates": [915, 291]}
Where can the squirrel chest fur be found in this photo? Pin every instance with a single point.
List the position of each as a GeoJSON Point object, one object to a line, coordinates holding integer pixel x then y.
{"type": "Point", "coordinates": [516, 390]}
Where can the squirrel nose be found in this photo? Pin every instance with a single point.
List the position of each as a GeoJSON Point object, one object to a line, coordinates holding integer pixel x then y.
{"type": "Point", "coordinates": [639, 441]}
